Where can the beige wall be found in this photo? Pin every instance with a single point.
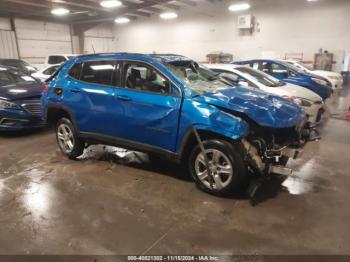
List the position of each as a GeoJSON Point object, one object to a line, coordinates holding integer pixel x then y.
{"type": "Point", "coordinates": [285, 27]}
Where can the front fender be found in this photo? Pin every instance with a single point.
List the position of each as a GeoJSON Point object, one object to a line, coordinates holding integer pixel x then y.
{"type": "Point", "coordinates": [225, 125]}
{"type": "Point", "coordinates": [218, 124]}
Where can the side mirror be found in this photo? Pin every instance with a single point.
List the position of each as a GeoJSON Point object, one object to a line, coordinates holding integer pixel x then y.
{"type": "Point", "coordinates": [243, 83]}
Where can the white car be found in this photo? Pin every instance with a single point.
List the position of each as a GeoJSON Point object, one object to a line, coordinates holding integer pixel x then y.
{"type": "Point", "coordinates": [253, 78]}
{"type": "Point", "coordinates": [45, 73]}
{"type": "Point", "coordinates": [335, 78]}
{"type": "Point", "coordinates": [55, 59]}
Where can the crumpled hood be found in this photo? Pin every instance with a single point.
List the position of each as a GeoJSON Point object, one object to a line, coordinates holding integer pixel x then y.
{"type": "Point", "coordinates": [19, 92]}
{"type": "Point", "coordinates": [265, 109]}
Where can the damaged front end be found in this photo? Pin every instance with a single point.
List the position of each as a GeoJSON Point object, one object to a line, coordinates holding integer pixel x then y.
{"type": "Point", "coordinates": [278, 127]}
{"type": "Point", "coordinates": [267, 150]}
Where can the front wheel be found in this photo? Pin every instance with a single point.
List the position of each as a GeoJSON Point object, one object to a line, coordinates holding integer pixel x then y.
{"type": "Point", "coordinates": [227, 169]}
{"type": "Point", "coordinates": [68, 140]}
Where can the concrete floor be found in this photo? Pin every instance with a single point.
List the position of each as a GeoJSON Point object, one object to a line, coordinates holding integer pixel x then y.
{"type": "Point", "coordinates": [105, 204]}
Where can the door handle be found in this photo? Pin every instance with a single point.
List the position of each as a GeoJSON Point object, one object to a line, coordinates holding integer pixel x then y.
{"type": "Point", "coordinates": [124, 98]}
{"type": "Point", "coordinates": [58, 91]}
{"type": "Point", "coordinates": [75, 90]}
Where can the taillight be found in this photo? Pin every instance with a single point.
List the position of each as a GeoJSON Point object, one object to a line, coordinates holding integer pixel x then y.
{"type": "Point", "coordinates": [45, 88]}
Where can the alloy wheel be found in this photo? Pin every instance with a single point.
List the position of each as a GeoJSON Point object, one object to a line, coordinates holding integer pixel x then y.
{"type": "Point", "coordinates": [220, 166]}
{"type": "Point", "coordinates": [65, 138]}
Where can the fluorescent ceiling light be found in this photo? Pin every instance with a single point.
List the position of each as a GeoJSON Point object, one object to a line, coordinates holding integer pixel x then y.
{"type": "Point", "coordinates": [168, 15]}
{"type": "Point", "coordinates": [239, 7]}
{"type": "Point", "coordinates": [122, 20]}
{"type": "Point", "coordinates": [110, 3]}
{"type": "Point", "coordinates": [312, 0]}
{"type": "Point", "coordinates": [60, 11]}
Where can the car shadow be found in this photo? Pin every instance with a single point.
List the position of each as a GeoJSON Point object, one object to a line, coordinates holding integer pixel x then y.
{"type": "Point", "coordinates": [138, 160]}
{"type": "Point", "coordinates": [269, 188]}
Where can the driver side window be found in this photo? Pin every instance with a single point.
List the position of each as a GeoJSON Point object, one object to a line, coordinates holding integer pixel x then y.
{"type": "Point", "coordinates": [144, 78]}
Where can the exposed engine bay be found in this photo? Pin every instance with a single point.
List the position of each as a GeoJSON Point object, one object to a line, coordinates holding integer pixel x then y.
{"type": "Point", "coordinates": [267, 150]}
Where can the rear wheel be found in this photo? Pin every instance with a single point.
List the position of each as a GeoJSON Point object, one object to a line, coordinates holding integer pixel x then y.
{"type": "Point", "coordinates": [227, 168]}
{"type": "Point", "coordinates": [68, 140]}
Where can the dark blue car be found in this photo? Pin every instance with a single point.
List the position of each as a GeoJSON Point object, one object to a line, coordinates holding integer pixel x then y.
{"type": "Point", "coordinates": [291, 74]}
{"type": "Point", "coordinates": [171, 106]}
{"type": "Point", "coordinates": [19, 100]}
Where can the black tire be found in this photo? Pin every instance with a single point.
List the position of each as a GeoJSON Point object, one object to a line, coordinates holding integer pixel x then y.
{"type": "Point", "coordinates": [78, 144]}
{"type": "Point", "coordinates": [239, 169]}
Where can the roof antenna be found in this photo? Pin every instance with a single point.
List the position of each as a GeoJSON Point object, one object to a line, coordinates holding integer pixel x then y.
{"type": "Point", "coordinates": [93, 48]}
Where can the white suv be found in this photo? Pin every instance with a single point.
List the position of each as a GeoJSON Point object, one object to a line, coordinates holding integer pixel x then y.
{"type": "Point", "coordinates": [56, 59]}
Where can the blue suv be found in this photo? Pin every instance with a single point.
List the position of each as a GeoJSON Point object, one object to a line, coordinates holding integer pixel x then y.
{"type": "Point", "coordinates": [291, 74]}
{"type": "Point", "coordinates": [169, 105]}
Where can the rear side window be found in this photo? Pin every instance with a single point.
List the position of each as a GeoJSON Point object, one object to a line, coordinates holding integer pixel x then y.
{"type": "Point", "coordinates": [98, 72]}
{"type": "Point", "coordinates": [56, 59]}
{"type": "Point", "coordinates": [76, 71]}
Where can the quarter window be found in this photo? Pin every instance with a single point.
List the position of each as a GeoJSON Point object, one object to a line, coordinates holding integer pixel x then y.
{"type": "Point", "coordinates": [144, 78]}
{"type": "Point", "coordinates": [98, 72]}
{"type": "Point", "coordinates": [76, 71]}
{"type": "Point", "coordinates": [51, 70]}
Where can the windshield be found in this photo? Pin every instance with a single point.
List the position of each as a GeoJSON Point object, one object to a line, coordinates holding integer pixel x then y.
{"type": "Point", "coordinates": [11, 77]}
{"type": "Point", "coordinates": [261, 77]}
{"type": "Point", "coordinates": [70, 57]}
{"type": "Point", "coordinates": [197, 77]}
